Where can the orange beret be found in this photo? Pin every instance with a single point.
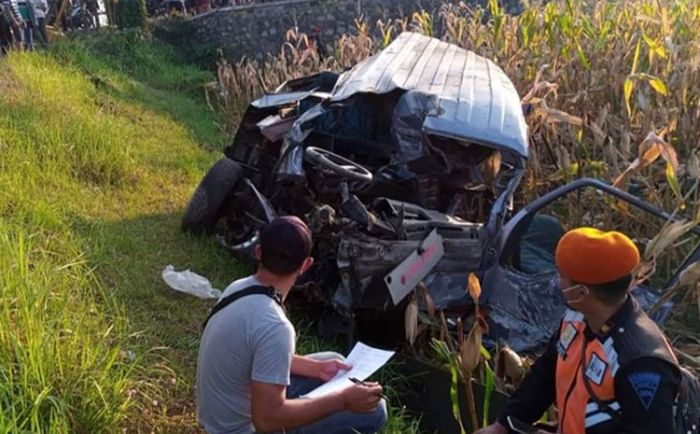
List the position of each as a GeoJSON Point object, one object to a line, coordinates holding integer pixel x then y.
{"type": "Point", "coordinates": [589, 255]}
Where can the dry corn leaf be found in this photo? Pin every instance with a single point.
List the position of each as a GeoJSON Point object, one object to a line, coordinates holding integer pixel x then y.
{"type": "Point", "coordinates": [411, 321]}
{"type": "Point", "coordinates": [430, 305]}
{"type": "Point", "coordinates": [693, 166]}
{"type": "Point", "coordinates": [650, 150]}
{"type": "Point", "coordinates": [691, 275]}
{"type": "Point", "coordinates": [671, 157]}
{"type": "Point", "coordinates": [668, 235]}
{"type": "Point", "coordinates": [564, 158]}
{"type": "Point", "coordinates": [530, 97]}
{"type": "Point", "coordinates": [474, 288]}
{"type": "Point", "coordinates": [304, 40]}
{"type": "Point", "coordinates": [691, 349]}
{"type": "Point", "coordinates": [443, 326]}
{"type": "Point", "coordinates": [511, 365]}
{"type": "Point", "coordinates": [470, 351]}
{"type": "Point", "coordinates": [668, 153]}
{"type": "Point", "coordinates": [611, 155]}
{"type": "Point", "coordinates": [481, 319]}
{"type": "Point", "coordinates": [538, 84]}
{"type": "Point", "coordinates": [307, 53]}
{"type": "Point", "coordinates": [554, 116]}
{"type": "Point", "coordinates": [598, 134]}
{"type": "Point", "coordinates": [429, 302]}
{"type": "Point", "coordinates": [644, 271]}
{"type": "Point", "coordinates": [690, 278]}
{"type": "Point", "coordinates": [602, 115]}
{"type": "Point", "coordinates": [692, 359]}
{"type": "Point", "coordinates": [648, 153]}
{"type": "Point", "coordinates": [626, 143]}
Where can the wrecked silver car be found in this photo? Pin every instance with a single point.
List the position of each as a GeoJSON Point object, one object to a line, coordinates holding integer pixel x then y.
{"type": "Point", "coordinates": [405, 168]}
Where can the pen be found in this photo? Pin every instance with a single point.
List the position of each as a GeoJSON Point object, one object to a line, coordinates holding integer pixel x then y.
{"type": "Point", "coordinates": [356, 381]}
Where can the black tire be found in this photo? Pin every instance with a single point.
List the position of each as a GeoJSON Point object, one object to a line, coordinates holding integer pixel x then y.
{"type": "Point", "coordinates": [203, 210]}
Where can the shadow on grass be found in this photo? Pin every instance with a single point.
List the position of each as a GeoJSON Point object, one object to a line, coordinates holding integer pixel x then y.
{"type": "Point", "coordinates": [129, 256]}
{"type": "Point", "coordinates": [189, 110]}
{"type": "Point", "coordinates": [133, 67]}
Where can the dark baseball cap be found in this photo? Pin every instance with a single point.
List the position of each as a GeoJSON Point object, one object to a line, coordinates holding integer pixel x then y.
{"type": "Point", "coordinates": [285, 243]}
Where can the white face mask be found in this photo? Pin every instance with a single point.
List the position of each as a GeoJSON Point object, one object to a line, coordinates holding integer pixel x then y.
{"type": "Point", "coordinates": [579, 289]}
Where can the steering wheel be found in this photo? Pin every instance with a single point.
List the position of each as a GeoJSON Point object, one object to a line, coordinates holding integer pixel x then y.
{"type": "Point", "coordinates": [340, 165]}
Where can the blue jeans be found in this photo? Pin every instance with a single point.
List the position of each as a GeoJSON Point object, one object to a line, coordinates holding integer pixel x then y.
{"type": "Point", "coordinates": [344, 422]}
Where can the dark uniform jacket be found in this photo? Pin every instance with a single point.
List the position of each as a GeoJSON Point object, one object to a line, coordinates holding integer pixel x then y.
{"type": "Point", "coordinates": [623, 380]}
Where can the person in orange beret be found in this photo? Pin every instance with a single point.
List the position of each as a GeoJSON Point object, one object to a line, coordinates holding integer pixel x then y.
{"type": "Point", "coordinates": [609, 369]}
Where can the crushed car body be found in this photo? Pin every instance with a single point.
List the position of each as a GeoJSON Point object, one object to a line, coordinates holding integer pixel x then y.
{"type": "Point", "coordinates": [405, 168]}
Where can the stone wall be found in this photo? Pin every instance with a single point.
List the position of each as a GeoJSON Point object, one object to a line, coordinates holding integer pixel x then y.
{"type": "Point", "coordinates": [257, 29]}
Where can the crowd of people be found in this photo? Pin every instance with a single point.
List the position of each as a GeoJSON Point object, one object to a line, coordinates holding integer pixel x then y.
{"type": "Point", "coordinates": [22, 22]}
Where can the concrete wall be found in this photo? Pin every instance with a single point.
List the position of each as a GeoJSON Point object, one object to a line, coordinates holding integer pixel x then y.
{"type": "Point", "coordinates": [257, 29]}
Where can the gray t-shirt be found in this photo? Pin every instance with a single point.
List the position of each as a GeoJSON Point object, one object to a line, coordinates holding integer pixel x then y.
{"type": "Point", "coordinates": [250, 339]}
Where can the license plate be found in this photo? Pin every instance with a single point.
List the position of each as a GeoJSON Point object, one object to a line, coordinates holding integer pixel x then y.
{"type": "Point", "coordinates": [402, 279]}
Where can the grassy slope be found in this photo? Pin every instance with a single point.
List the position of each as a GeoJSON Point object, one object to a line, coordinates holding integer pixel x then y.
{"type": "Point", "coordinates": [101, 142]}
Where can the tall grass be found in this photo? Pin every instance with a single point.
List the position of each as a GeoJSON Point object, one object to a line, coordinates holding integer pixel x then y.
{"type": "Point", "coordinates": [60, 333]}
{"type": "Point", "coordinates": [61, 366]}
{"type": "Point", "coordinates": [95, 156]}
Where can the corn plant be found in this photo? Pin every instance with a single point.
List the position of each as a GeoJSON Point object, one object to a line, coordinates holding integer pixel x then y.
{"type": "Point", "coordinates": [614, 72]}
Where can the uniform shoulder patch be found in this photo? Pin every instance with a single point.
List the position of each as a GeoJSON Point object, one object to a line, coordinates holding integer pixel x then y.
{"type": "Point", "coordinates": [645, 383]}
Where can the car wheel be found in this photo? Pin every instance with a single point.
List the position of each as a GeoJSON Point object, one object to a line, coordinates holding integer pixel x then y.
{"type": "Point", "coordinates": [203, 210]}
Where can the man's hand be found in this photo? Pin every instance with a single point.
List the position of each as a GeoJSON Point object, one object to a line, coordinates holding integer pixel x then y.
{"type": "Point", "coordinates": [327, 369]}
{"type": "Point", "coordinates": [362, 398]}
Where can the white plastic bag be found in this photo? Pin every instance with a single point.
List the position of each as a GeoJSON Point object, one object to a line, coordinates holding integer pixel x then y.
{"type": "Point", "coordinates": [189, 283]}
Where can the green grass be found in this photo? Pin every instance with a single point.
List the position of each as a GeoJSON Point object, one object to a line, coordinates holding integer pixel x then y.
{"type": "Point", "coordinates": [102, 141]}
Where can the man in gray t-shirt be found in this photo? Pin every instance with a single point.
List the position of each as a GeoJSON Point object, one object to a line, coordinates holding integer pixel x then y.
{"type": "Point", "coordinates": [248, 375]}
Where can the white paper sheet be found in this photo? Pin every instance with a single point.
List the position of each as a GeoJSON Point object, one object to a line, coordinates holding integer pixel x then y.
{"type": "Point", "coordinates": [365, 361]}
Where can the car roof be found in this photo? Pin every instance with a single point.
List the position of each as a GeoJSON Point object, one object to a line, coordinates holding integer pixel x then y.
{"type": "Point", "coordinates": [477, 102]}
